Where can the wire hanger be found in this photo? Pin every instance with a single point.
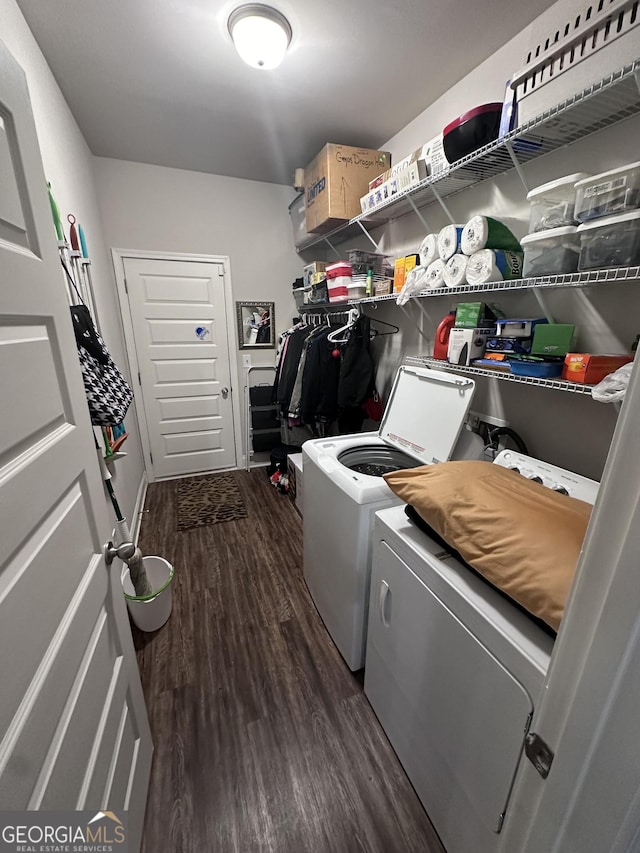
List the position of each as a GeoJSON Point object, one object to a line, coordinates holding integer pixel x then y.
{"type": "Point", "coordinates": [391, 326]}
{"type": "Point", "coordinates": [351, 319]}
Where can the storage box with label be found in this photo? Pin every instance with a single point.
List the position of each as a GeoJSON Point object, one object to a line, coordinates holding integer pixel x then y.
{"type": "Point", "coordinates": [590, 369]}
{"type": "Point", "coordinates": [553, 339]}
{"type": "Point", "coordinates": [470, 315]}
{"type": "Point", "coordinates": [467, 344]}
{"type": "Point", "coordinates": [309, 270]}
{"type": "Point", "coordinates": [335, 180]}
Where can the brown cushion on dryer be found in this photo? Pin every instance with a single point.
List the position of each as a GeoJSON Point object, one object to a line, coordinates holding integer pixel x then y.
{"type": "Point", "coordinates": [523, 537]}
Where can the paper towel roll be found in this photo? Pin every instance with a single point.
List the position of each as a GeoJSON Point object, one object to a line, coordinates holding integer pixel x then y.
{"type": "Point", "coordinates": [434, 274]}
{"type": "Point", "coordinates": [428, 250]}
{"type": "Point", "coordinates": [455, 270]}
{"type": "Point", "coordinates": [493, 265]}
{"type": "Point", "coordinates": [449, 241]}
{"type": "Point", "coordinates": [484, 232]}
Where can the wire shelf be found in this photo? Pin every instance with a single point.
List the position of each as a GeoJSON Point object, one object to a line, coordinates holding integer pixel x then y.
{"type": "Point", "coordinates": [554, 384]}
{"type": "Point", "coordinates": [601, 105]}
{"type": "Point", "coordinates": [577, 279]}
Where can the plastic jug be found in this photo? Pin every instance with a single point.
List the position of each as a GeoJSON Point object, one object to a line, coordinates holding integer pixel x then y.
{"type": "Point", "coordinates": [441, 343]}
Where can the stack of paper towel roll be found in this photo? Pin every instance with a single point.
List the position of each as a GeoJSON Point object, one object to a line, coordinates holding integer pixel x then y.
{"type": "Point", "coordinates": [482, 250]}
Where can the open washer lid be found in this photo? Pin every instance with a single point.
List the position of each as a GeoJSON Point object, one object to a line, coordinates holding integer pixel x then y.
{"type": "Point", "coordinates": [425, 413]}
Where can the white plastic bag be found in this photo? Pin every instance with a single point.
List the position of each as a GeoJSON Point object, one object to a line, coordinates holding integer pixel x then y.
{"type": "Point", "coordinates": [614, 386]}
{"type": "Point", "coordinates": [415, 282]}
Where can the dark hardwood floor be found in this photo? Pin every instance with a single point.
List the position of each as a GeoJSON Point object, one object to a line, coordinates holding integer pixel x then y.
{"type": "Point", "coordinates": [264, 741]}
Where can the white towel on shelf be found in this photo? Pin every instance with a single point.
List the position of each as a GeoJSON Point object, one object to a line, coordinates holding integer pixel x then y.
{"type": "Point", "coordinates": [455, 270]}
{"type": "Point", "coordinates": [449, 241]}
{"type": "Point", "coordinates": [434, 274]}
{"type": "Point", "coordinates": [428, 250]}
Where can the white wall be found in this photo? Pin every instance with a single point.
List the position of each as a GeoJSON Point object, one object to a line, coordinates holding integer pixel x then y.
{"type": "Point", "coordinates": [68, 165]}
{"type": "Point", "coordinates": [173, 210]}
{"type": "Point", "coordinates": [566, 429]}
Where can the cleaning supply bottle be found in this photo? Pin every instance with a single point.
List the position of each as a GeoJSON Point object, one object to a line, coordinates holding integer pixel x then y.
{"type": "Point", "coordinates": [441, 343]}
{"type": "Point", "coordinates": [369, 287]}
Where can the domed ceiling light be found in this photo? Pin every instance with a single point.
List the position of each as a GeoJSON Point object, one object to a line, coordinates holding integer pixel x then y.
{"type": "Point", "coordinates": [261, 35]}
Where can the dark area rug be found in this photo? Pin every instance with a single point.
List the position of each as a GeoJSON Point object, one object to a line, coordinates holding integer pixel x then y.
{"type": "Point", "coordinates": [209, 499]}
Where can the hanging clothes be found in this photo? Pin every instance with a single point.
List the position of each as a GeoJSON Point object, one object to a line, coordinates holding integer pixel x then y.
{"type": "Point", "coordinates": [319, 401]}
{"type": "Point", "coordinates": [288, 370]}
{"type": "Point", "coordinates": [356, 376]}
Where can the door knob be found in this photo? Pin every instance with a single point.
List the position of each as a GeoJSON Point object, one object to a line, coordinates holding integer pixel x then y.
{"type": "Point", "coordinates": [123, 552]}
{"type": "Point", "coordinates": [225, 393]}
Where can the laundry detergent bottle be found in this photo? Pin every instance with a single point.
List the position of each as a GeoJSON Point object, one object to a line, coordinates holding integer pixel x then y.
{"type": "Point", "coordinates": [441, 343]}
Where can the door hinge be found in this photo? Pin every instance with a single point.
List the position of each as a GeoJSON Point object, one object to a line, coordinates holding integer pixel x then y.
{"type": "Point", "coordinates": [151, 457]}
{"type": "Point", "coordinates": [126, 289]}
{"type": "Point", "coordinates": [500, 822]}
{"type": "Point", "coordinates": [139, 380]}
{"type": "Point", "coordinates": [538, 753]}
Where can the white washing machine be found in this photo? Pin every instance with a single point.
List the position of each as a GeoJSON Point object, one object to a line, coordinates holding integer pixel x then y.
{"type": "Point", "coordinates": [454, 671]}
{"type": "Point", "coordinates": [344, 488]}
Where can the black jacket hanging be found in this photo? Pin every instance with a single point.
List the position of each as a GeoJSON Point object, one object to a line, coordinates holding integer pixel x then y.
{"type": "Point", "coordinates": [357, 370]}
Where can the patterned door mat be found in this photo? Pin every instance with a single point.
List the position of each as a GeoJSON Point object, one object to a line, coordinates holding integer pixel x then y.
{"type": "Point", "coordinates": [209, 499]}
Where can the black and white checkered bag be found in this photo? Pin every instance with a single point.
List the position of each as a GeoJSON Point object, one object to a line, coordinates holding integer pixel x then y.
{"type": "Point", "coordinates": [108, 394]}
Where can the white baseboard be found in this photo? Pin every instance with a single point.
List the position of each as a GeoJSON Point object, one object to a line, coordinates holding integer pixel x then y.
{"type": "Point", "coordinates": [139, 506]}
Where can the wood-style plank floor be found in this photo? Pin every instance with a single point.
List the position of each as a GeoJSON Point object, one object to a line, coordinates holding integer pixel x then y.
{"type": "Point", "coordinates": [264, 741]}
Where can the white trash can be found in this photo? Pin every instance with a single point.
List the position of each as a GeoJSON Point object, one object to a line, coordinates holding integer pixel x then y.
{"type": "Point", "coordinates": [152, 611]}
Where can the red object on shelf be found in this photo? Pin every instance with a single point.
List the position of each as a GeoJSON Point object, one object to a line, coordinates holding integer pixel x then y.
{"type": "Point", "coordinates": [441, 343]}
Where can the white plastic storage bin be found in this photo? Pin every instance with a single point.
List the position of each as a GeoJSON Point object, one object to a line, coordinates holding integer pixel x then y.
{"type": "Point", "coordinates": [552, 252]}
{"type": "Point", "coordinates": [553, 204]}
{"type": "Point", "coordinates": [573, 45]}
{"type": "Point", "coordinates": [357, 290]}
{"type": "Point", "coordinates": [609, 193]}
{"type": "Point", "coordinates": [298, 221]}
{"type": "Point", "coordinates": [610, 242]}
{"type": "Point", "coordinates": [298, 295]}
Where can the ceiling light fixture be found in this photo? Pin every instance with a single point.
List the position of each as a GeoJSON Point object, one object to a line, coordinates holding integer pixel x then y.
{"type": "Point", "coordinates": [261, 35]}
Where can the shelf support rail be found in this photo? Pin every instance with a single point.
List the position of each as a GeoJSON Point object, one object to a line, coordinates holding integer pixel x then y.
{"type": "Point", "coordinates": [440, 201]}
{"type": "Point", "coordinates": [404, 309]}
{"type": "Point", "coordinates": [369, 237]}
{"type": "Point", "coordinates": [542, 302]}
{"type": "Point", "coordinates": [516, 164]}
{"type": "Point", "coordinates": [419, 214]}
{"type": "Point", "coordinates": [332, 247]}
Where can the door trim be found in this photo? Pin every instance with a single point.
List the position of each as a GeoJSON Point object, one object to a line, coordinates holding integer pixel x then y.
{"type": "Point", "coordinates": [118, 257]}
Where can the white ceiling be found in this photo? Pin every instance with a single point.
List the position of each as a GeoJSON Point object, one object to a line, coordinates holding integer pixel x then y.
{"type": "Point", "coordinates": [158, 81]}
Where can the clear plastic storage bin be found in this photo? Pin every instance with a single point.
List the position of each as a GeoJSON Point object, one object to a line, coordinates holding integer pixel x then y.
{"type": "Point", "coordinates": [610, 242]}
{"type": "Point", "coordinates": [553, 204]}
{"type": "Point", "coordinates": [609, 193]}
{"type": "Point", "coordinates": [552, 252]}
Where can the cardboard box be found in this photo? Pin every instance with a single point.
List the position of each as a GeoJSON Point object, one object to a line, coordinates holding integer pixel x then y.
{"type": "Point", "coordinates": [553, 339]}
{"type": "Point", "coordinates": [471, 315]}
{"type": "Point", "coordinates": [398, 274]}
{"type": "Point", "coordinates": [590, 369]}
{"type": "Point", "coordinates": [410, 262]}
{"type": "Point", "coordinates": [466, 344]}
{"type": "Point", "coordinates": [309, 270]}
{"type": "Point", "coordinates": [335, 180]}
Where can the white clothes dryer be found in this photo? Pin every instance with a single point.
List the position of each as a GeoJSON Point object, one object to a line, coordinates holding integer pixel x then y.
{"type": "Point", "coordinates": [455, 670]}
{"type": "Point", "coordinates": [344, 488]}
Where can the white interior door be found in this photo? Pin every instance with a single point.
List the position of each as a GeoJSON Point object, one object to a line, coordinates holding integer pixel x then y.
{"type": "Point", "coordinates": [73, 726]}
{"type": "Point", "coordinates": [179, 324]}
